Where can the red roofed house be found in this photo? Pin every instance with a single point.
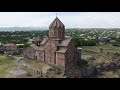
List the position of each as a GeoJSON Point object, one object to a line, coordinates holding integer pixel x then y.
{"type": "Point", "coordinates": [10, 46]}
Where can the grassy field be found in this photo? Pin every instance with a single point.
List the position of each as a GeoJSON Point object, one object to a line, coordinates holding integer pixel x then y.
{"type": "Point", "coordinates": [103, 57]}
{"type": "Point", "coordinates": [6, 64]}
{"type": "Point", "coordinates": [34, 63]}
{"type": "Point", "coordinates": [107, 54]}
{"type": "Point", "coordinates": [39, 65]}
{"type": "Point", "coordinates": [106, 48]}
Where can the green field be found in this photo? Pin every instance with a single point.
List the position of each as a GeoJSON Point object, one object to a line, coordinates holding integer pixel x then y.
{"type": "Point", "coordinates": [103, 57]}
{"type": "Point", "coordinates": [39, 65]}
{"type": "Point", "coordinates": [107, 54]}
{"type": "Point", "coordinates": [106, 48]}
{"type": "Point", "coordinates": [6, 65]}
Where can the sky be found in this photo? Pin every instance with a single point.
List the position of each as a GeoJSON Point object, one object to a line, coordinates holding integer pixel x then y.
{"type": "Point", "coordinates": [70, 19]}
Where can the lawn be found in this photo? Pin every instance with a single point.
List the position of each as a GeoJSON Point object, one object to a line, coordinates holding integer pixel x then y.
{"type": "Point", "coordinates": [6, 64]}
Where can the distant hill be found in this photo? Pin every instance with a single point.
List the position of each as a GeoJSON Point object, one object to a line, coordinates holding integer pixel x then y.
{"type": "Point", "coordinates": [22, 28]}
{"type": "Point", "coordinates": [46, 28]}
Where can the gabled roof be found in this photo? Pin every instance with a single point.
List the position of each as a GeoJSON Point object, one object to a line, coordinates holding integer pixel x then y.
{"type": "Point", "coordinates": [44, 41]}
{"type": "Point", "coordinates": [9, 44]}
{"type": "Point", "coordinates": [56, 23]}
{"type": "Point", "coordinates": [34, 46]}
{"type": "Point", "coordinates": [65, 42]}
{"type": "Point", "coordinates": [62, 50]}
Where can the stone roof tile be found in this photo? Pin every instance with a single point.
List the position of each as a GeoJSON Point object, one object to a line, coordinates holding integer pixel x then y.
{"type": "Point", "coordinates": [44, 41]}
{"type": "Point", "coordinates": [65, 42]}
{"type": "Point", "coordinates": [56, 23]}
{"type": "Point", "coordinates": [34, 46]}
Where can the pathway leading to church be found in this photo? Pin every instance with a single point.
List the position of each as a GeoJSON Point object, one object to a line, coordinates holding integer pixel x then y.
{"type": "Point", "coordinates": [37, 73]}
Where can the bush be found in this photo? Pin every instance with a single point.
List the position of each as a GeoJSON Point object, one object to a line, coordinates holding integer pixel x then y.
{"type": "Point", "coordinates": [9, 52]}
{"type": "Point", "coordinates": [82, 42]}
{"type": "Point", "coordinates": [56, 69]}
{"type": "Point", "coordinates": [116, 44]}
{"type": "Point", "coordinates": [82, 63]}
{"type": "Point", "coordinates": [92, 58]}
{"type": "Point", "coordinates": [26, 45]}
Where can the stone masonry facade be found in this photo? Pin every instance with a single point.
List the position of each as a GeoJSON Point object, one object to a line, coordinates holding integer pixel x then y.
{"type": "Point", "coordinates": [56, 49]}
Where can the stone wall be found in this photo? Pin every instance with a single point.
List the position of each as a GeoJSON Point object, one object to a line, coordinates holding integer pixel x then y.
{"type": "Point", "coordinates": [70, 56]}
{"type": "Point", "coordinates": [50, 49]}
{"type": "Point", "coordinates": [30, 53]}
{"type": "Point", "coordinates": [41, 55]}
{"type": "Point", "coordinates": [60, 59]}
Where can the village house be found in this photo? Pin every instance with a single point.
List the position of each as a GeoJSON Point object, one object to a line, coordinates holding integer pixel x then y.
{"type": "Point", "coordinates": [10, 46]}
{"type": "Point", "coordinates": [31, 41]}
{"type": "Point", "coordinates": [56, 49]}
{"type": "Point", "coordinates": [105, 40]}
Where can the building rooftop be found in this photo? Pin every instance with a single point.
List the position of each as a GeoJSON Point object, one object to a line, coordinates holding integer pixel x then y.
{"type": "Point", "coordinates": [19, 44]}
{"type": "Point", "coordinates": [34, 46]}
{"type": "Point", "coordinates": [9, 44]}
{"type": "Point", "coordinates": [44, 41]}
{"type": "Point", "coordinates": [65, 42]}
{"type": "Point", "coordinates": [62, 50]}
{"type": "Point", "coordinates": [56, 23]}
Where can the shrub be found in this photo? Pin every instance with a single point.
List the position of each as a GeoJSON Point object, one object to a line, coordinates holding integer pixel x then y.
{"type": "Point", "coordinates": [82, 42]}
{"type": "Point", "coordinates": [56, 69]}
{"type": "Point", "coordinates": [116, 44]}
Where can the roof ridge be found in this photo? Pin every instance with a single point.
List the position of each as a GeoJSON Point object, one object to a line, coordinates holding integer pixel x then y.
{"type": "Point", "coordinates": [56, 23]}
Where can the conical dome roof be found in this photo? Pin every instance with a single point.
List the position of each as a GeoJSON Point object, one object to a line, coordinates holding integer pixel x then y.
{"type": "Point", "coordinates": [56, 23]}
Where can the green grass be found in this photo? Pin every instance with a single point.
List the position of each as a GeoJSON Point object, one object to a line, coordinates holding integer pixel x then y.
{"type": "Point", "coordinates": [39, 66]}
{"type": "Point", "coordinates": [57, 76]}
{"type": "Point", "coordinates": [109, 74]}
{"type": "Point", "coordinates": [35, 64]}
{"type": "Point", "coordinates": [6, 64]}
{"type": "Point", "coordinates": [101, 57]}
{"type": "Point", "coordinates": [19, 55]}
{"type": "Point", "coordinates": [106, 48]}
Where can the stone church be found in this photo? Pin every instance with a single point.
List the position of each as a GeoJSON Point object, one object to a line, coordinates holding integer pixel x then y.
{"type": "Point", "coordinates": [56, 49]}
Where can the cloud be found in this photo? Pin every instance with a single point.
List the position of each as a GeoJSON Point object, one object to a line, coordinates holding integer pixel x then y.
{"type": "Point", "coordinates": [70, 19]}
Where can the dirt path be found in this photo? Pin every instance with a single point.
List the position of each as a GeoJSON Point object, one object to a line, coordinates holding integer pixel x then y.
{"type": "Point", "coordinates": [19, 63]}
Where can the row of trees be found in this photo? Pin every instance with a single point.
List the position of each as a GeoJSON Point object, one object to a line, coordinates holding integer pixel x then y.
{"type": "Point", "coordinates": [82, 42]}
{"type": "Point", "coordinates": [116, 44]}
{"type": "Point", "coordinates": [6, 37]}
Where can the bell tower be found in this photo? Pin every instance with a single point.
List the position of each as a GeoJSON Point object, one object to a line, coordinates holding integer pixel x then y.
{"type": "Point", "coordinates": [57, 29]}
